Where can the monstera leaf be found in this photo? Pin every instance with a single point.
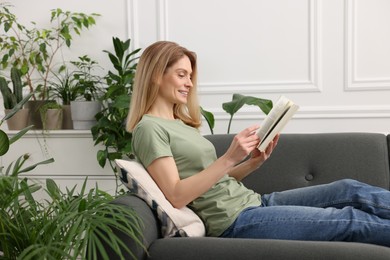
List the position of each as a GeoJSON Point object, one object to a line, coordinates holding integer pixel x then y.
{"type": "Point", "coordinates": [239, 101]}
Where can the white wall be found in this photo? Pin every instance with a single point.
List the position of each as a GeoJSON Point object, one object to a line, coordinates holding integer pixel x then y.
{"type": "Point", "coordinates": [332, 57]}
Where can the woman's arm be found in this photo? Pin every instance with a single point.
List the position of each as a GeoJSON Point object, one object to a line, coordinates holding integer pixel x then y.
{"type": "Point", "coordinates": [240, 171]}
{"type": "Point", "coordinates": [181, 192]}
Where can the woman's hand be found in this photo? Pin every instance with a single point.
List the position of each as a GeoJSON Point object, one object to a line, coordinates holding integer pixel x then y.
{"type": "Point", "coordinates": [242, 145]}
{"type": "Point", "coordinates": [258, 158]}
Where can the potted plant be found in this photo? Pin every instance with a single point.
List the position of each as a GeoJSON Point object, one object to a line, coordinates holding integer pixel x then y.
{"type": "Point", "coordinates": [66, 225]}
{"type": "Point", "coordinates": [51, 116]}
{"type": "Point", "coordinates": [11, 98]}
{"type": "Point", "coordinates": [109, 130]}
{"type": "Point", "coordinates": [89, 86]}
{"type": "Point", "coordinates": [63, 89]}
{"type": "Point", "coordinates": [34, 51]}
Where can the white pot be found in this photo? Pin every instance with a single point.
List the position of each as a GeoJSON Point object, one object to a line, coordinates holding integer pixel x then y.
{"type": "Point", "coordinates": [83, 113]}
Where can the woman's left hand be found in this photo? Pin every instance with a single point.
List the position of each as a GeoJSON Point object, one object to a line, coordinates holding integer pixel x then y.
{"type": "Point", "coordinates": [258, 158]}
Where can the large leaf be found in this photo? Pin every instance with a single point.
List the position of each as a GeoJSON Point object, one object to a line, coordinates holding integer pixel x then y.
{"type": "Point", "coordinates": [4, 143]}
{"type": "Point", "coordinates": [17, 107]}
{"type": "Point", "coordinates": [209, 119]}
{"type": "Point", "coordinates": [239, 101]}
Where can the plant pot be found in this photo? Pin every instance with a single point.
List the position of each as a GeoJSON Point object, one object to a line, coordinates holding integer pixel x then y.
{"type": "Point", "coordinates": [35, 115]}
{"type": "Point", "coordinates": [19, 120]}
{"type": "Point", "coordinates": [52, 119]}
{"type": "Point", "coordinates": [67, 122]}
{"type": "Point", "coordinates": [83, 114]}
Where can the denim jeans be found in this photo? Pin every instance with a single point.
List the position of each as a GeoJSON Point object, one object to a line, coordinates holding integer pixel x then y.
{"type": "Point", "coordinates": [344, 210]}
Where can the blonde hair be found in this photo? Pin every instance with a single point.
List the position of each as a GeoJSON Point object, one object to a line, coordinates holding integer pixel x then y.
{"type": "Point", "coordinates": [153, 63]}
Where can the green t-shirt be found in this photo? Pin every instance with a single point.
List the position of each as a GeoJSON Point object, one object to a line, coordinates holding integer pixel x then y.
{"type": "Point", "coordinates": [155, 137]}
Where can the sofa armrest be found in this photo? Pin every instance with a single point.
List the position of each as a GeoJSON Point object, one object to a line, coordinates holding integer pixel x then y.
{"type": "Point", "coordinates": [149, 226]}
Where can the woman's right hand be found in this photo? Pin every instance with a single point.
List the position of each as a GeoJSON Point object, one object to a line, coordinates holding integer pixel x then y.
{"type": "Point", "coordinates": [242, 145]}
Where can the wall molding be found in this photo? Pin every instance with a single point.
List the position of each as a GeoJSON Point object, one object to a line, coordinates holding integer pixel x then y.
{"type": "Point", "coordinates": [132, 21]}
{"type": "Point", "coordinates": [312, 84]}
{"type": "Point", "coordinates": [313, 112]}
{"type": "Point", "coordinates": [352, 82]}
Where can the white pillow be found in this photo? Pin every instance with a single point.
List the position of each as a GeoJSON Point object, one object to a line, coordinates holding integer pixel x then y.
{"type": "Point", "coordinates": [174, 222]}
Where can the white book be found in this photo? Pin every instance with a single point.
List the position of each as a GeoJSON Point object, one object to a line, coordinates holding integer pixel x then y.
{"type": "Point", "coordinates": [277, 118]}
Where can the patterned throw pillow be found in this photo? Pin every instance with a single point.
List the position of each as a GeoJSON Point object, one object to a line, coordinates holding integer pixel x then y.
{"type": "Point", "coordinates": [174, 222]}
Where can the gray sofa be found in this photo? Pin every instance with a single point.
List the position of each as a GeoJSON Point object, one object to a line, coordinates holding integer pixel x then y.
{"type": "Point", "coordinates": [299, 160]}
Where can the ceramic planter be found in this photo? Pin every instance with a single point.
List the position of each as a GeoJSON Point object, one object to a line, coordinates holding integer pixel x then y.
{"type": "Point", "coordinates": [83, 113]}
{"type": "Point", "coordinates": [19, 120]}
{"type": "Point", "coordinates": [35, 115]}
{"type": "Point", "coordinates": [52, 119]}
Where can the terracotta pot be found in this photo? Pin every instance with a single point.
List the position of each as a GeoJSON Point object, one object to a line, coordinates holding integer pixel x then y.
{"type": "Point", "coordinates": [67, 122]}
{"type": "Point", "coordinates": [19, 120]}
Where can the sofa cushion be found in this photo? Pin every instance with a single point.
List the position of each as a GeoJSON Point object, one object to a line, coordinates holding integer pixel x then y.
{"type": "Point", "coordinates": [174, 222]}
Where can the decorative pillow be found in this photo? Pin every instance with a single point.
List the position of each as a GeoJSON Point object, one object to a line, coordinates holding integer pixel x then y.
{"type": "Point", "coordinates": [174, 222]}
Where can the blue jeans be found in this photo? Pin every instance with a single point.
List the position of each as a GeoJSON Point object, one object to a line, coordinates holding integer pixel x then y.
{"type": "Point", "coordinates": [344, 210]}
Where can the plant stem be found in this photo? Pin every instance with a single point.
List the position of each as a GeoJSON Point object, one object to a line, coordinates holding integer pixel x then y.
{"type": "Point", "coordinates": [230, 123]}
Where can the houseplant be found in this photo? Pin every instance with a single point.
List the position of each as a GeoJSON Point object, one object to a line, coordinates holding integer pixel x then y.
{"type": "Point", "coordinates": [88, 86]}
{"type": "Point", "coordinates": [51, 115]}
{"type": "Point", "coordinates": [66, 225]}
{"type": "Point", "coordinates": [34, 51]}
{"type": "Point", "coordinates": [63, 89]}
{"type": "Point", "coordinates": [110, 127]}
{"type": "Point", "coordinates": [11, 98]}
{"type": "Point", "coordinates": [232, 107]}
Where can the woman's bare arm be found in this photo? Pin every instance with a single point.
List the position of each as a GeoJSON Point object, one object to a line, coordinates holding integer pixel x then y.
{"type": "Point", "coordinates": [181, 192]}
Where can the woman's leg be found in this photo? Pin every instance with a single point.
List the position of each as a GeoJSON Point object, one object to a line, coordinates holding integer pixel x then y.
{"type": "Point", "coordinates": [338, 194]}
{"type": "Point", "coordinates": [310, 223]}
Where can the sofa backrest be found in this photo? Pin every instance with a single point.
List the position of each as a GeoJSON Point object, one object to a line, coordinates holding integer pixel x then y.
{"type": "Point", "coordinates": [302, 160]}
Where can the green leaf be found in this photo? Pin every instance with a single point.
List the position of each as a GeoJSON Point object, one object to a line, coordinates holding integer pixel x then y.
{"type": "Point", "coordinates": [32, 167]}
{"type": "Point", "coordinates": [4, 143]}
{"type": "Point", "coordinates": [239, 101]}
{"type": "Point", "coordinates": [209, 119]}
{"type": "Point", "coordinates": [20, 134]}
{"type": "Point", "coordinates": [101, 157]}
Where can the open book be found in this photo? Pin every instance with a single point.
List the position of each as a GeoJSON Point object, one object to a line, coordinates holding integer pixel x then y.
{"type": "Point", "coordinates": [274, 122]}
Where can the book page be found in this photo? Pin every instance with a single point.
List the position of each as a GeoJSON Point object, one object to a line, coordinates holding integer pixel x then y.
{"type": "Point", "coordinates": [275, 121]}
{"type": "Point", "coordinates": [277, 110]}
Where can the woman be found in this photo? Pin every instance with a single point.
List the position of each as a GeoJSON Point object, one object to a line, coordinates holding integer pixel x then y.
{"type": "Point", "coordinates": [164, 119]}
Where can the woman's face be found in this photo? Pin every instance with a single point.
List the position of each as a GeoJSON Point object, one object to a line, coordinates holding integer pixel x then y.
{"type": "Point", "coordinates": [176, 82]}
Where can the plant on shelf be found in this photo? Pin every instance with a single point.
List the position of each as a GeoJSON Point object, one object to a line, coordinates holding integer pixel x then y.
{"type": "Point", "coordinates": [65, 225]}
{"type": "Point", "coordinates": [11, 97]}
{"type": "Point", "coordinates": [110, 128]}
{"type": "Point", "coordinates": [14, 96]}
{"type": "Point", "coordinates": [88, 84]}
{"type": "Point", "coordinates": [232, 107]}
{"type": "Point", "coordinates": [63, 89]}
{"type": "Point", "coordinates": [88, 87]}
{"type": "Point", "coordinates": [34, 50]}
{"type": "Point", "coordinates": [51, 115]}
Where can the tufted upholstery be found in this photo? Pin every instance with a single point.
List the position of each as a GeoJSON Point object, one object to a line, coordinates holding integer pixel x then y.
{"type": "Point", "coordinates": [299, 160]}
